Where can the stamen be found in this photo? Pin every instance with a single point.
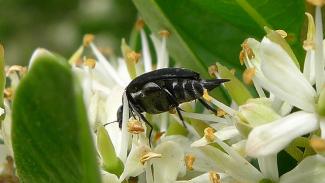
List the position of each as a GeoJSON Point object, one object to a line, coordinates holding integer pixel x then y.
{"type": "Point", "coordinates": [16, 68]}
{"type": "Point", "coordinates": [164, 33]}
{"type": "Point", "coordinates": [316, 2]}
{"type": "Point", "coordinates": [139, 24]}
{"type": "Point", "coordinates": [189, 161]}
{"type": "Point", "coordinates": [133, 56]}
{"type": "Point", "coordinates": [242, 57]}
{"type": "Point", "coordinates": [88, 38]}
{"type": "Point", "coordinates": [206, 95]}
{"type": "Point", "coordinates": [205, 117]}
{"type": "Point", "coordinates": [282, 33]}
{"type": "Point", "coordinates": [248, 75]}
{"type": "Point", "coordinates": [221, 113]}
{"type": "Point", "coordinates": [309, 42]}
{"type": "Point", "coordinates": [214, 177]}
{"type": "Point", "coordinates": [149, 155]}
{"type": "Point", "coordinates": [247, 52]}
{"type": "Point", "coordinates": [146, 52]}
{"type": "Point", "coordinates": [317, 144]}
{"type": "Point", "coordinates": [213, 69]}
{"type": "Point", "coordinates": [8, 93]}
{"type": "Point", "coordinates": [209, 134]}
{"type": "Point", "coordinates": [135, 126]}
{"type": "Point", "coordinates": [224, 107]}
{"type": "Point", "coordinates": [158, 136]}
{"type": "Point", "coordinates": [91, 63]}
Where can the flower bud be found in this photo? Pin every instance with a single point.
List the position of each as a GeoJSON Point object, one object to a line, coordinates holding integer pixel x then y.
{"type": "Point", "coordinates": [254, 113]}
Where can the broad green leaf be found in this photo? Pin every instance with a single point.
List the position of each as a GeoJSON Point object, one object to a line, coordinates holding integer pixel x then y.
{"type": "Point", "coordinates": [206, 31]}
{"type": "Point", "coordinates": [50, 132]}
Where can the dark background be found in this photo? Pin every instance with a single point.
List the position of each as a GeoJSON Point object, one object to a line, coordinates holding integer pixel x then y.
{"type": "Point", "coordinates": [58, 25]}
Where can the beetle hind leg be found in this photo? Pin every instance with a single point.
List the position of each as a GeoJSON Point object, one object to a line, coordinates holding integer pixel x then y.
{"type": "Point", "coordinates": [206, 105]}
{"type": "Point", "coordinates": [180, 116]}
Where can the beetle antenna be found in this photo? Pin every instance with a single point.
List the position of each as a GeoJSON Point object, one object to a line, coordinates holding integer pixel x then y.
{"type": "Point", "coordinates": [110, 123]}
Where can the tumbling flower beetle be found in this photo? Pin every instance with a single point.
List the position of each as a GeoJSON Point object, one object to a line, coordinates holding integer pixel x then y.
{"type": "Point", "coordinates": [163, 90]}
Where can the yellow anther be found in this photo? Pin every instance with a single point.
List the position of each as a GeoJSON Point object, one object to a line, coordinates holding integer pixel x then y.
{"type": "Point", "coordinates": [245, 52]}
{"type": "Point", "coordinates": [148, 156]}
{"type": "Point", "coordinates": [248, 75]}
{"type": "Point", "coordinates": [233, 71]}
{"type": "Point", "coordinates": [206, 95]}
{"type": "Point", "coordinates": [214, 177]}
{"type": "Point", "coordinates": [157, 136]}
{"type": "Point", "coordinates": [133, 56]}
{"type": "Point", "coordinates": [317, 144]}
{"type": "Point", "coordinates": [308, 45]}
{"type": "Point", "coordinates": [242, 57]}
{"type": "Point", "coordinates": [135, 126]}
{"type": "Point", "coordinates": [189, 161]}
{"type": "Point", "coordinates": [91, 63]}
{"type": "Point", "coordinates": [164, 33]}
{"type": "Point", "coordinates": [282, 33]}
{"type": "Point", "coordinates": [16, 68]}
{"type": "Point", "coordinates": [8, 93]}
{"type": "Point", "coordinates": [316, 2]}
{"type": "Point", "coordinates": [209, 134]}
{"type": "Point", "coordinates": [221, 113]}
{"type": "Point", "coordinates": [139, 24]}
{"type": "Point", "coordinates": [88, 38]}
{"type": "Point", "coordinates": [213, 70]}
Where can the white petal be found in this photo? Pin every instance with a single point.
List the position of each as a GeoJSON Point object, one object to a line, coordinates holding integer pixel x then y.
{"type": "Point", "coordinates": [109, 178]}
{"type": "Point", "coordinates": [4, 152]}
{"type": "Point", "coordinates": [273, 137]}
{"type": "Point", "coordinates": [133, 167]}
{"type": "Point", "coordinates": [110, 70]}
{"type": "Point", "coordinates": [269, 166]}
{"type": "Point", "coordinates": [239, 169]}
{"type": "Point", "coordinates": [311, 170]}
{"type": "Point", "coordinates": [309, 66]}
{"type": "Point", "coordinates": [6, 129]}
{"type": "Point", "coordinates": [202, 163]}
{"type": "Point", "coordinates": [279, 69]}
{"type": "Point", "coordinates": [319, 54]}
{"type": "Point", "coordinates": [168, 166]}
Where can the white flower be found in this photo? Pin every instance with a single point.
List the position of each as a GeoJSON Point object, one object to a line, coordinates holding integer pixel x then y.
{"type": "Point", "coordinates": [279, 74]}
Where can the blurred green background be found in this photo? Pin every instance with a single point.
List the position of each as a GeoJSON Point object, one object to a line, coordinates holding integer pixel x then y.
{"type": "Point", "coordinates": [58, 25]}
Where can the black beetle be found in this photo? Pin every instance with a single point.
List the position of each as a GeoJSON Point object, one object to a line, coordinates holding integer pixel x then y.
{"type": "Point", "coordinates": [163, 90]}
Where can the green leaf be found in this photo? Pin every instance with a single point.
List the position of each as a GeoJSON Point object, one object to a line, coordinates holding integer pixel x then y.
{"type": "Point", "coordinates": [50, 132]}
{"type": "Point", "coordinates": [111, 162]}
{"type": "Point", "coordinates": [206, 31]}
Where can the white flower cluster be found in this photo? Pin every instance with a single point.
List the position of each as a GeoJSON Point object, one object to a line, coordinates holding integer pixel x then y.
{"type": "Point", "coordinates": [288, 115]}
